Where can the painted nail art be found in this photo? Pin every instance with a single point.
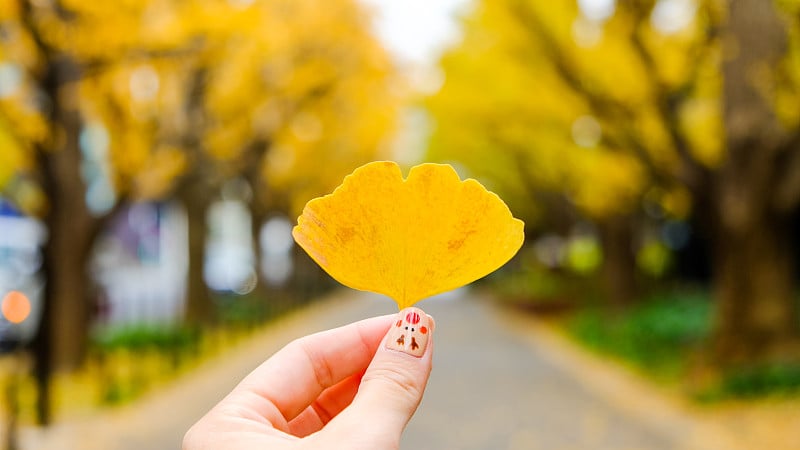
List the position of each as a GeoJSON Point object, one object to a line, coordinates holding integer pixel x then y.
{"type": "Point", "coordinates": [410, 332]}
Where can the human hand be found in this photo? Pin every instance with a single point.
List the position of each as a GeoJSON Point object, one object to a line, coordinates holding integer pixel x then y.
{"type": "Point", "coordinates": [354, 387]}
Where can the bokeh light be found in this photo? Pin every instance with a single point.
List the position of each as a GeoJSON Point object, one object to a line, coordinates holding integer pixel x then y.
{"type": "Point", "coordinates": [16, 307]}
{"type": "Point", "coordinates": [10, 79]}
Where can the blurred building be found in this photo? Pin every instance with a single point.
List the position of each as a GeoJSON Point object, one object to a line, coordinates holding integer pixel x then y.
{"type": "Point", "coordinates": [140, 266]}
{"type": "Point", "coordinates": [230, 258]}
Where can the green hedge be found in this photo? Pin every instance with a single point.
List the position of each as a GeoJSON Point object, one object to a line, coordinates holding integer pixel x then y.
{"type": "Point", "coordinates": [658, 335]}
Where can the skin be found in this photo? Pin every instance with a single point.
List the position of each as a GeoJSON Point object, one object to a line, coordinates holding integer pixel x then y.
{"type": "Point", "coordinates": [341, 388]}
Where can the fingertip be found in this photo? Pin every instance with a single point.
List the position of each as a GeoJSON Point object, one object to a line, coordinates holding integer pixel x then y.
{"type": "Point", "coordinates": [410, 333]}
{"type": "Point", "coordinates": [394, 383]}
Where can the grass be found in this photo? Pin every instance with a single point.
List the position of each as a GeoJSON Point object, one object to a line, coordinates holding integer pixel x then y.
{"type": "Point", "coordinates": [661, 337]}
{"type": "Point", "coordinates": [658, 336]}
{"type": "Point", "coordinates": [776, 380]}
{"type": "Point", "coordinates": [127, 362]}
{"type": "Point", "coordinates": [142, 337]}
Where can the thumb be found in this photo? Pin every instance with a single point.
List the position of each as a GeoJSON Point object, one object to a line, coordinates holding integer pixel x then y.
{"type": "Point", "coordinates": [392, 387]}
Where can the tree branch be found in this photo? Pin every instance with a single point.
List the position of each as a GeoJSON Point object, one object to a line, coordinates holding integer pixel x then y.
{"type": "Point", "coordinates": [600, 104]}
{"type": "Point", "coordinates": [667, 101]}
{"type": "Point", "coordinates": [560, 214]}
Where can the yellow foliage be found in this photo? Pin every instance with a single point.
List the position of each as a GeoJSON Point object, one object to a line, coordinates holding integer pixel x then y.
{"type": "Point", "coordinates": [677, 203]}
{"type": "Point", "coordinates": [176, 86]}
{"type": "Point", "coordinates": [619, 180]}
{"type": "Point", "coordinates": [650, 128]}
{"type": "Point", "coordinates": [12, 156]}
{"type": "Point", "coordinates": [529, 75]}
{"type": "Point", "coordinates": [701, 123]}
{"type": "Point", "coordinates": [9, 8]}
{"type": "Point", "coordinates": [408, 239]}
{"type": "Point", "coordinates": [104, 31]}
{"type": "Point", "coordinates": [309, 82]}
{"type": "Point", "coordinates": [27, 124]}
{"type": "Point", "coordinates": [787, 95]}
{"type": "Point", "coordinates": [163, 166]}
{"type": "Point", "coordinates": [653, 258]}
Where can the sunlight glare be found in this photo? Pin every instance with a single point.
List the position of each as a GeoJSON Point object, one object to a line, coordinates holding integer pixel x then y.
{"type": "Point", "coordinates": [597, 10]}
{"type": "Point", "coordinates": [672, 16]}
{"type": "Point", "coordinates": [586, 33]}
{"type": "Point", "coordinates": [586, 131]}
{"type": "Point", "coordinates": [10, 79]}
{"type": "Point", "coordinates": [144, 83]}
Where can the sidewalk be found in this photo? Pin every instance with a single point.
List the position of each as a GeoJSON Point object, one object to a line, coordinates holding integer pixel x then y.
{"type": "Point", "coordinates": [501, 380]}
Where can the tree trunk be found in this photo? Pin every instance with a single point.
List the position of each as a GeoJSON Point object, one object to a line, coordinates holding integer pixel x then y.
{"type": "Point", "coordinates": [258, 217]}
{"type": "Point", "coordinates": [200, 308]}
{"type": "Point", "coordinates": [757, 313]}
{"type": "Point", "coordinates": [63, 332]}
{"type": "Point", "coordinates": [619, 261]}
{"type": "Point", "coordinates": [756, 316]}
{"type": "Point", "coordinates": [196, 191]}
{"type": "Point", "coordinates": [67, 285]}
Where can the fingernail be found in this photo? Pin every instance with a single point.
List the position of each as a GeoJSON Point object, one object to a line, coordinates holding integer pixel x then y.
{"type": "Point", "coordinates": [410, 332]}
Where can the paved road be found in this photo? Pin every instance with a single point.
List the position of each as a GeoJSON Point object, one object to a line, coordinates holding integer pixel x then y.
{"type": "Point", "coordinates": [493, 387]}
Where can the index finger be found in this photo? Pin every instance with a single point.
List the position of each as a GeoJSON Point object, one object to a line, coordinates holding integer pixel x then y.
{"type": "Point", "coordinates": [285, 384]}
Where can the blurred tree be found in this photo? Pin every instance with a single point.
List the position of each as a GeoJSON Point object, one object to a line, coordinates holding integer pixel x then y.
{"type": "Point", "coordinates": [101, 103]}
{"type": "Point", "coordinates": [544, 141]}
{"type": "Point", "coordinates": [59, 52]}
{"type": "Point", "coordinates": [757, 187]}
{"type": "Point", "coordinates": [44, 95]}
{"type": "Point", "coordinates": [681, 104]}
{"type": "Point", "coordinates": [293, 109]}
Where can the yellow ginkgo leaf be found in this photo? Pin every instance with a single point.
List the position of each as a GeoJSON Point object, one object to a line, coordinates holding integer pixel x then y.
{"type": "Point", "coordinates": [408, 239]}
